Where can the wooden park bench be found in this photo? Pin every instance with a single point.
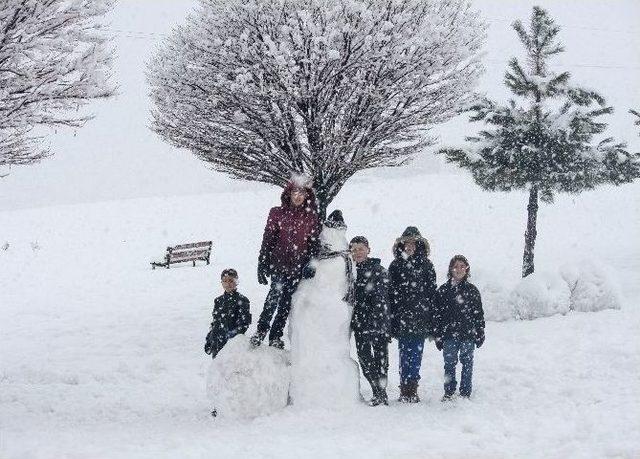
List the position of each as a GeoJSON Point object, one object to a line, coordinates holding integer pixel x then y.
{"type": "Point", "coordinates": [185, 252]}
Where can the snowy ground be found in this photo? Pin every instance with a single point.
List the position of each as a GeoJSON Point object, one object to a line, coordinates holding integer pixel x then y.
{"type": "Point", "coordinates": [102, 357]}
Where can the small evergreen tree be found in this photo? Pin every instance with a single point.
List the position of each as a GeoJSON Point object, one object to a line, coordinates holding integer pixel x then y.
{"type": "Point", "coordinates": [547, 141]}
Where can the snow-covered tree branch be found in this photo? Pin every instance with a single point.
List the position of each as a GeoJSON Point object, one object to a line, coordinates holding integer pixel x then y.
{"type": "Point", "coordinates": [263, 89]}
{"type": "Point", "coordinates": [549, 141]}
{"type": "Point", "coordinates": [54, 58]}
{"type": "Point", "coordinates": [636, 113]}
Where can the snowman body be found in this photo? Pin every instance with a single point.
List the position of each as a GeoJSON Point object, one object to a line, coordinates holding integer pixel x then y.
{"type": "Point", "coordinates": [323, 374]}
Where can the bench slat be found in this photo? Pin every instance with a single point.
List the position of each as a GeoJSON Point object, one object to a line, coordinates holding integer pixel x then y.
{"type": "Point", "coordinates": [188, 255]}
{"type": "Point", "coordinates": [193, 245]}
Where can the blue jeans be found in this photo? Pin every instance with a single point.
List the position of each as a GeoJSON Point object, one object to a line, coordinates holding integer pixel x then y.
{"type": "Point", "coordinates": [450, 350]}
{"type": "Point", "coordinates": [410, 359]}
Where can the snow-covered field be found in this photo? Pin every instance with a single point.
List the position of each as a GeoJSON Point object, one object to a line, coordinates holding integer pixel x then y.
{"type": "Point", "coordinates": [101, 357]}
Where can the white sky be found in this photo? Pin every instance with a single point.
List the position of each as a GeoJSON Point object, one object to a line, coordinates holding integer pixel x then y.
{"type": "Point", "coordinates": [116, 156]}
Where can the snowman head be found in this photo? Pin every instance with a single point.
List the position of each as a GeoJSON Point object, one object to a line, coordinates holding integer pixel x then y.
{"type": "Point", "coordinates": [334, 230]}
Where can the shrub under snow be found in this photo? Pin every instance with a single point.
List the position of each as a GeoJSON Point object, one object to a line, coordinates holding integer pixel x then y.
{"type": "Point", "coordinates": [496, 299]}
{"type": "Point", "coordinates": [591, 288]}
{"type": "Point", "coordinates": [540, 294]}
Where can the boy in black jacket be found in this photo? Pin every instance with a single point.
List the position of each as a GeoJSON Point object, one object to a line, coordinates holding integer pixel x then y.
{"type": "Point", "coordinates": [231, 314]}
{"type": "Point", "coordinates": [458, 326]}
{"type": "Point", "coordinates": [370, 319]}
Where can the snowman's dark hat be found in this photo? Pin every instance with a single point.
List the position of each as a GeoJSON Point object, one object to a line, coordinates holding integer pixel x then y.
{"type": "Point", "coordinates": [335, 220]}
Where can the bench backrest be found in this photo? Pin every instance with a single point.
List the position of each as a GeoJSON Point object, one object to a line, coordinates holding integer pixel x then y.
{"type": "Point", "coordinates": [186, 252]}
{"type": "Point", "coordinates": [193, 245]}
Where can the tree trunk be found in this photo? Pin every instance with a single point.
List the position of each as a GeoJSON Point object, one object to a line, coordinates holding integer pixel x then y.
{"type": "Point", "coordinates": [530, 233]}
{"type": "Point", "coordinates": [323, 202]}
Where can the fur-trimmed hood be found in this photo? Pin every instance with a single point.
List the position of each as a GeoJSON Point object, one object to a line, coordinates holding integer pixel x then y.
{"type": "Point", "coordinates": [422, 244]}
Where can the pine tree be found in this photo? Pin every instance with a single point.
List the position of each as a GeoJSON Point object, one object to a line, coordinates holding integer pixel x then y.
{"type": "Point", "coordinates": [545, 141]}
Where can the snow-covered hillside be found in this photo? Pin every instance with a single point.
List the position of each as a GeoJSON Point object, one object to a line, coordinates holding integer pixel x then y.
{"type": "Point", "coordinates": [102, 357]}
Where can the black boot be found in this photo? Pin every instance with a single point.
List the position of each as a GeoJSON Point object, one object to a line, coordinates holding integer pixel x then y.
{"type": "Point", "coordinates": [412, 392]}
{"type": "Point", "coordinates": [257, 338]}
{"type": "Point", "coordinates": [277, 343]}
{"type": "Point", "coordinates": [379, 392]}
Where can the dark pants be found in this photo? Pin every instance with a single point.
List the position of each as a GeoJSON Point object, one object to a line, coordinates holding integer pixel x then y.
{"type": "Point", "coordinates": [373, 354]}
{"type": "Point", "coordinates": [451, 349]}
{"type": "Point", "coordinates": [410, 359]}
{"type": "Point", "coordinates": [278, 299]}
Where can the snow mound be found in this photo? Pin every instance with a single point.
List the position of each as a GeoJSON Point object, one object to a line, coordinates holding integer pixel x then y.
{"type": "Point", "coordinates": [245, 382]}
{"type": "Point", "coordinates": [496, 297]}
{"type": "Point", "coordinates": [540, 294]}
{"type": "Point", "coordinates": [590, 286]}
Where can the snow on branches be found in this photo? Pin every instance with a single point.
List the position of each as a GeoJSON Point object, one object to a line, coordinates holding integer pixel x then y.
{"type": "Point", "coordinates": [53, 59]}
{"type": "Point", "coordinates": [550, 141]}
{"type": "Point", "coordinates": [547, 142]}
{"type": "Point", "coordinates": [263, 89]}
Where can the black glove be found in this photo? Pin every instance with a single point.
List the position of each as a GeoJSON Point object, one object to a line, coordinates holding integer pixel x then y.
{"type": "Point", "coordinates": [308, 272]}
{"type": "Point", "coordinates": [479, 340]}
{"type": "Point", "coordinates": [439, 344]}
{"type": "Point", "coordinates": [208, 344]}
{"type": "Point", "coordinates": [262, 275]}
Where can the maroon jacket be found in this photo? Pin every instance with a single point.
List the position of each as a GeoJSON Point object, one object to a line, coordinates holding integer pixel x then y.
{"type": "Point", "coordinates": [290, 236]}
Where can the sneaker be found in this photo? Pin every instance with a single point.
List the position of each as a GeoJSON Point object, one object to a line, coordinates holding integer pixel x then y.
{"type": "Point", "coordinates": [447, 397]}
{"type": "Point", "coordinates": [465, 396]}
{"type": "Point", "coordinates": [214, 413]}
{"type": "Point", "coordinates": [256, 339]}
{"type": "Point", "coordinates": [277, 343]}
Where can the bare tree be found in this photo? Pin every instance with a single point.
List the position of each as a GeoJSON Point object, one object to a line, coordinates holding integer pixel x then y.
{"type": "Point", "coordinates": [54, 58]}
{"type": "Point", "coordinates": [266, 89]}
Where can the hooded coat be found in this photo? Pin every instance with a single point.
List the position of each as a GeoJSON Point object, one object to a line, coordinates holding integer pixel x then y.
{"type": "Point", "coordinates": [290, 236]}
{"type": "Point", "coordinates": [412, 290]}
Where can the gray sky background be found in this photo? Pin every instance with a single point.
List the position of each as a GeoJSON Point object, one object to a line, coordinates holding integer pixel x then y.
{"type": "Point", "coordinates": [116, 156]}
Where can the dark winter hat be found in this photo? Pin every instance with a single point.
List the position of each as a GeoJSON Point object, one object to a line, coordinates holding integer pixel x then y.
{"type": "Point", "coordinates": [229, 272]}
{"type": "Point", "coordinates": [335, 220]}
{"type": "Point", "coordinates": [359, 240]}
{"type": "Point", "coordinates": [411, 232]}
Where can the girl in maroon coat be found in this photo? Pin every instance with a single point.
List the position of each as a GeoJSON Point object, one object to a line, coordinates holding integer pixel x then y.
{"type": "Point", "coordinates": [290, 239]}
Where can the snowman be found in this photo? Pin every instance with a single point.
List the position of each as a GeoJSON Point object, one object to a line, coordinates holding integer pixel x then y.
{"type": "Point", "coordinates": [323, 374]}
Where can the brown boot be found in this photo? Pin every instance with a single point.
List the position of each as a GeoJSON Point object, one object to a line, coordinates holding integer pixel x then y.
{"type": "Point", "coordinates": [404, 397]}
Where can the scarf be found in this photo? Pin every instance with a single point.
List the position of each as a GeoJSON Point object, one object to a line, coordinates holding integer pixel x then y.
{"type": "Point", "coordinates": [326, 253]}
